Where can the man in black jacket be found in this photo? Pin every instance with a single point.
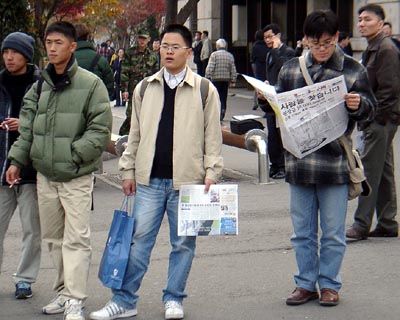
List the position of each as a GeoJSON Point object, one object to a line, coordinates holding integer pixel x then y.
{"type": "Point", "coordinates": [279, 53]}
{"type": "Point", "coordinates": [196, 47]}
{"type": "Point", "coordinates": [15, 80]}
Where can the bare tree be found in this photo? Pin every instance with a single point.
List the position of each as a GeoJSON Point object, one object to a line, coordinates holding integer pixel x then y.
{"type": "Point", "coordinates": [172, 11]}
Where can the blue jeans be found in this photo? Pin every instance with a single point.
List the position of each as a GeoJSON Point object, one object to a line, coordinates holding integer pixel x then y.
{"type": "Point", "coordinates": [322, 268]}
{"type": "Point", "coordinates": [151, 202]}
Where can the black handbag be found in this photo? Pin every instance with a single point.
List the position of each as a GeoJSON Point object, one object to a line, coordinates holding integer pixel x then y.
{"type": "Point", "coordinates": [243, 126]}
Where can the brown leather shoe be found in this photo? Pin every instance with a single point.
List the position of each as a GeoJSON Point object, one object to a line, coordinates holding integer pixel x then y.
{"type": "Point", "coordinates": [300, 296]}
{"type": "Point", "coordinates": [354, 234]}
{"type": "Point", "coordinates": [329, 298]}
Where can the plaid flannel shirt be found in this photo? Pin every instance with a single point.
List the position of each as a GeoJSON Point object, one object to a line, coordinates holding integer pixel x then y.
{"type": "Point", "coordinates": [221, 67]}
{"type": "Point", "coordinates": [327, 165]}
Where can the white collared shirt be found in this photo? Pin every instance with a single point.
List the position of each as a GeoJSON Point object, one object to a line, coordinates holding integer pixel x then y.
{"type": "Point", "coordinates": [174, 79]}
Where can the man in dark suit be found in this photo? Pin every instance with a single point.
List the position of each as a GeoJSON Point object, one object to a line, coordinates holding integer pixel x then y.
{"type": "Point", "coordinates": [279, 53]}
{"type": "Point", "coordinates": [196, 47]}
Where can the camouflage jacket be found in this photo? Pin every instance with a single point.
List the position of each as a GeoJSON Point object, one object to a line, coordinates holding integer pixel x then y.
{"type": "Point", "coordinates": [136, 66]}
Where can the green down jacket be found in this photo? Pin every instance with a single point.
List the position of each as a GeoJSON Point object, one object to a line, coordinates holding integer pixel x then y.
{"type": "Point", "coordinates": [66, 131]}
{"type": "Point", "coordinates": [85, 54]}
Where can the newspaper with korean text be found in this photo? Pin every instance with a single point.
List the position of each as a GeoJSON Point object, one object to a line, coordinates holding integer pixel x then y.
{"type": "Point", "coordinates": [207, 214]}
{"type": "Point", "coordinates": [309, 117]}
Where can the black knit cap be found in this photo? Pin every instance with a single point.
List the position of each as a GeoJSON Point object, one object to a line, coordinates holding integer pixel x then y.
{"type": "Point", "coordinates": [20, 42]}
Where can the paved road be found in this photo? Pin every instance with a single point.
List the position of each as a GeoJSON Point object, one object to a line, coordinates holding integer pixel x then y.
{"type": "Point", "coordinates": [243, 277]}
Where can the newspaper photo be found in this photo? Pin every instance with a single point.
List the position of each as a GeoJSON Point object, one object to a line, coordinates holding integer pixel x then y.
{"type": "Point", "coordinates": [208, 214]}
{"type": "Point", "coordinates": [309, 117]}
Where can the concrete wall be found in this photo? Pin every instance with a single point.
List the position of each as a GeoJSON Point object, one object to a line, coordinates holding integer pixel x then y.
{"type": "Point", "coordinates": [313, 5]}
{"type": "Point", "coordinates": [208, 18]}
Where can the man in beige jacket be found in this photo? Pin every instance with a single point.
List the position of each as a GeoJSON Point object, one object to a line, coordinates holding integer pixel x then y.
{"type": "Point", "coordinates": [174, 140]}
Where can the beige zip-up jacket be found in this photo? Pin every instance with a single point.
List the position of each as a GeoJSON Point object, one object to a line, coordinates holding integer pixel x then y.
{"type": "Point", "coordinates": [197, 138]}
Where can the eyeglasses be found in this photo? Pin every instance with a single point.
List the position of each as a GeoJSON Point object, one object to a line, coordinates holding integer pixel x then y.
{"type": "Point", "coordinates": [270, 36]}
{"type": "Point", "coordinates": [173, 48]}
{"type": "Point", "coordinates": [326, 44]}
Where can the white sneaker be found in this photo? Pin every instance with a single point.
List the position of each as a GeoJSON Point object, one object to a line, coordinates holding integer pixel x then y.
{"type": "Point", "coordinates": [173, 310]}
{"type": "Point", "coordinates": [112, 311]}
{"type": "Point", "coordinates": [57, 305]}
{"type": "Point", "coordinates": [73, 310]}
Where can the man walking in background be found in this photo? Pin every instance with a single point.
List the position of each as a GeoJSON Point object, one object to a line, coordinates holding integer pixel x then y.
{"type": "Point", "coordinates": [382, 62]}
{"type": "Point", "coordinates": [387, 29]}
{"type": "Point", "coordinates": [206, 51]}
{"type": "Point", "coordinates": [15, 80]}
{"type": "Point", "coordinates": [139, 62]}
{"type": "Point", "coordinates": [221, 70]}
{"type": "Point", "coordinates": [196, 47]}
{"type": "Point", "coordinates": [258, 55]}
{"type": "Point", "coordinates": [88, 59]}
{"type": "Point", "coordinates": [278, 54]}
{"type": "Point", "coordinates": [116, 67]}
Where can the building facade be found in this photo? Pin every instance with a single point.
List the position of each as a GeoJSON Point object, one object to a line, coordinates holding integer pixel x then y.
{"type": "Point", "coordinates": [238, 20]}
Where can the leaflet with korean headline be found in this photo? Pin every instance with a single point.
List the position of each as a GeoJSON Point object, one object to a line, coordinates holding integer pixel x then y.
{"type": "Point", "coordinates": [208, 214]}
{"type": "Point", "coordinates": [309, 117]}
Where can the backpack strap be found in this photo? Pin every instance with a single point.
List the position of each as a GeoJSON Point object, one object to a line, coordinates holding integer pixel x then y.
{"type": "Point", "coordinates": [204, 86]}
{"type": "Point", "coordinates": [39, 86]}
{"type": "Point", "coordinates": [94, 62]}
{"type": "Point", "coordinates": [304, 71]}
{"type": "Point", "coordinates": [143, 87]}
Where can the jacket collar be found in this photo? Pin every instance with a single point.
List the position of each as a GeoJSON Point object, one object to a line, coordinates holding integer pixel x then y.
{"type": "Point", "coordinates": [65, 81]}
{"type": "Point", "coordinates": [189, 77]}
{"type": "Point", "coordinates": [373, 45]}
{"type": "Point", "coordinates": [30, 68]}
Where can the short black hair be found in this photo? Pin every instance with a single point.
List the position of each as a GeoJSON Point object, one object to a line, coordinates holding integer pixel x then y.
{"type": "Point", "coordinates": [198, 32]}
{"type": "Point", "coordinates": [82, 32]}
{"type": "Point", "coordinates": [387, 23]}
{"type": "Point", "coordinates": [274, 27]}
{"type": "Point", "coordinates": [182, 30]}
{"type": "Point", "coordinates": [63, 27]}
{"type": "Point", "coordinates": [377, 9]}
{"type": "Point", "coordinates": [319, 22]}
{"type": "Point", "coordinates": [343, 35]}
{"type": "Point", "coordinates": [259, 35]}
{"type": "Point", "coordinates": [205, 32]}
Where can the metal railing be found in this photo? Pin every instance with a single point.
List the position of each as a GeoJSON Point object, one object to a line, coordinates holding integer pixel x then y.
{"type": "Point", "coordinates": [254, 140]}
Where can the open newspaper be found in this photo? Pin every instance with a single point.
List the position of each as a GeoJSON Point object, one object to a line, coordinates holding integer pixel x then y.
{"type": "Point", "coordinates": [309, 117]}
{"type": "Point", "coordinates": [212, 213]}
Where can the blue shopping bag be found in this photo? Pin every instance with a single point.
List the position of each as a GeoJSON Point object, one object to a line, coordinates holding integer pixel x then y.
{"type": "Point", "coordinates": [116, 253]}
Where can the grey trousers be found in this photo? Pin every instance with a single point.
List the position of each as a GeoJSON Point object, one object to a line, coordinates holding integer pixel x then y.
{"type": "Point", "coordinates": [25, 197]}
{"type": "Point", "coordinates": [378, 164]}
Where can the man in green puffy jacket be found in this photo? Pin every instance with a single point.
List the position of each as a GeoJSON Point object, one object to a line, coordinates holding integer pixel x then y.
{"type": "Point", "coordinates": [65, 125]}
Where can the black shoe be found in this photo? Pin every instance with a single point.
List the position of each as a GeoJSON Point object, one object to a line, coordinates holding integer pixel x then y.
{"type": "Point", "coordinates": [279, 175]}
{"type": "Point", "coordinates": [272, 172]}
{"type": "Point", "coordinates": [382, 233]}
{"type": "Point", "coordinates": [255, 107]}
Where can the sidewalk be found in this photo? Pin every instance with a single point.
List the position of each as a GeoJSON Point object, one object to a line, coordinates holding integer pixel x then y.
{"type": "Point", "coordinates": [239, 277]}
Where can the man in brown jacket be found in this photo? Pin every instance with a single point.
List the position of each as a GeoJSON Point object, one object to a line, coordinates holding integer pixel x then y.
{"type": "Point", "coordinates": [381, 60]}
